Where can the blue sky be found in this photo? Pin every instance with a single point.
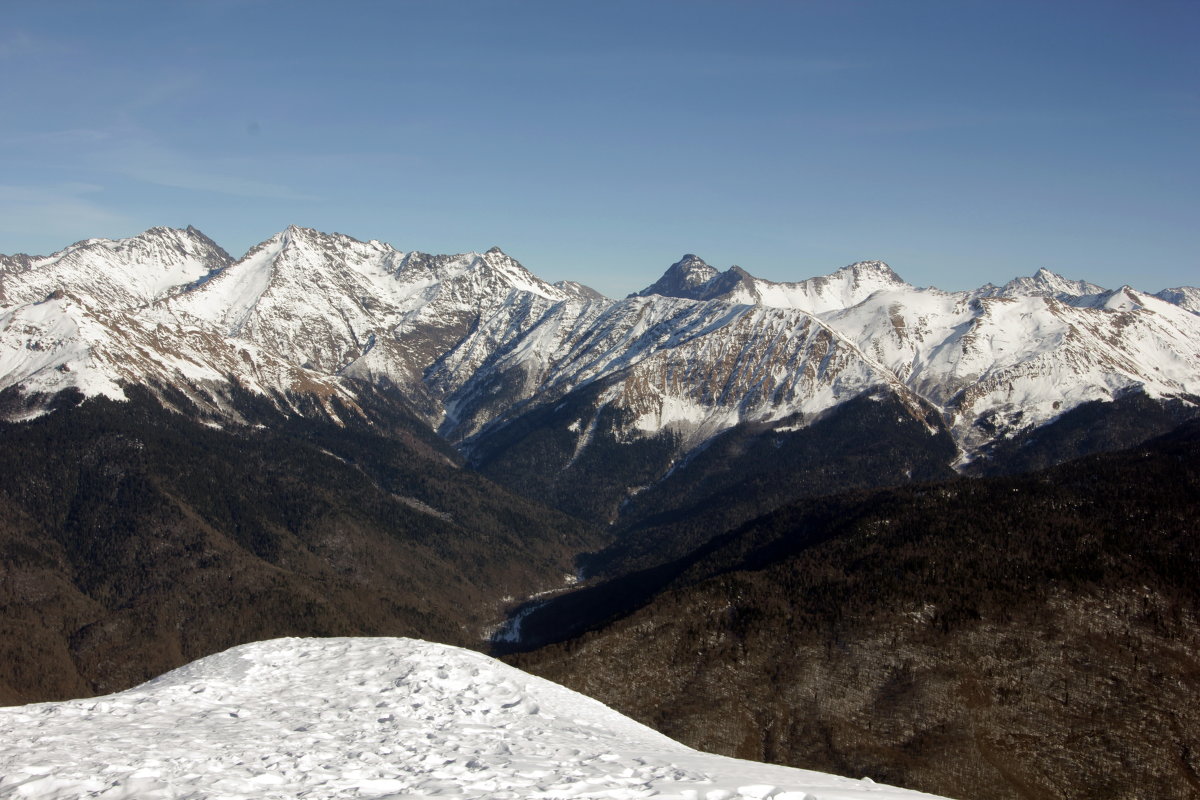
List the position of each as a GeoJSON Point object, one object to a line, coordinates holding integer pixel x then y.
{"type": "Point", "coordinates": [961, 142]}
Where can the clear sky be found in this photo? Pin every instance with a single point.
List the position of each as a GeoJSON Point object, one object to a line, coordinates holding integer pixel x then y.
{"type": "Point", "coordinates": [960, 141]}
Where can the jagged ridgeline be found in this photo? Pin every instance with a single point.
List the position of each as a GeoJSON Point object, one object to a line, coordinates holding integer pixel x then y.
{"type": "Point", "coordinates": [600, 406]}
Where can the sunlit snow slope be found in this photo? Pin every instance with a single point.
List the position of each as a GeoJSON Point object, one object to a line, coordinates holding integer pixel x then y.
{"type": "Point", "coordinates": [378, 718]}
{"type": "Point", "coordinates": [313, 323]}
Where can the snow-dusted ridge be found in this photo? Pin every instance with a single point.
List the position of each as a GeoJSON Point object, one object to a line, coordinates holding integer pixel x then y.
{"type": "Point", "coordinates": [369, 718]}
{"type": "Point", "coordinates": [1183, 296]}
{"type": "Point", "coordinates": [474, 340]}
{"type": "Point", "coordinates": [115, 273]}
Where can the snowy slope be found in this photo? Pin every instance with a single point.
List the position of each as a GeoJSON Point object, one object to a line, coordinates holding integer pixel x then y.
{"type": "Point", "coordinates": [296, 315]}
{"type": "Point", "coordinates": [1017, 362]}
{"type": "Point", "coordinates": [996, 360]}
{"type": "Point", "coordinates": [691, 367]}
{"type": "Point", "coordinates": [368, 718]}
{"type": "Point", "coordinates": [473, 341]}
{"type": "Point", "coordinates": [119, 273]}
{"type": "Point", "coordinates": [576, 289]}
{"type": "Point", "coordinates": [67, 342]}
{"type": "Point", "coordinates": [92, 317]}
{"type": "Point", "coordinates": [1183, 296]}
{"type": "Point", "coordinates": [363, 309]}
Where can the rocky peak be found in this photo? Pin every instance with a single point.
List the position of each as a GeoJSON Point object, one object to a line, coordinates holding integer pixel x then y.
{"type": "Point", "coordinates": [727, 283]}
{"type": "Point", "coordinates": [17, 263]}
{"type": "Point", "coordinates": [497, 269]}
{"type": "Point", "coordinates": [1124, 299]}
{"type": "Point", "coordinates": [874, 271]}
{"type": "Point", "coordinates": [1049, 284]}
{"type": "Point", "coordinates": [118, 272]}
{"type": "Point", "coordinates": [296, 236]}
{"type": "Point", "coordinates": [498, 260]}
{"type": "Point", "coordinates": [682, 278]}
{"type": "Point", "coordinates": [1187, 297]}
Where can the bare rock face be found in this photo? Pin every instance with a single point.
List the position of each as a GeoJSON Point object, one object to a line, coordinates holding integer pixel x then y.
{"type": "Point", "coordinates": [685, 278]}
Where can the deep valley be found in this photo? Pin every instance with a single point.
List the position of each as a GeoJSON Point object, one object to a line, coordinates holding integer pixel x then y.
{"type": "Point", "coordinates": [945, 539]}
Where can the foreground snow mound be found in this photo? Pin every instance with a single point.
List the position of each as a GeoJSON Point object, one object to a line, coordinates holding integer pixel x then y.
{"type": "Point", "coordinates": [378, 718]}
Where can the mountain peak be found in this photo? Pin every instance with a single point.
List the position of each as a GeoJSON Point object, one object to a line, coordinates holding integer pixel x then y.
{"type": "Point", "coordinates": [298, 232]}
{"type": "Point", "coordinates": [1046, 283]}
{"type": "Point", "coordinates": [119, 272]}
{"type": "Point", "coordinates": [682, 278]}
{"type": "Point", "coordinates": [1187, 297]}
{"type": "Point", "coordinates": [513, 273]}
{"type": "Point", "coordinates": [190, 239]}
{"type": "Point", "coordinates": [877, 270]}
{"type": "Point", "coordinates": [1048, 278]}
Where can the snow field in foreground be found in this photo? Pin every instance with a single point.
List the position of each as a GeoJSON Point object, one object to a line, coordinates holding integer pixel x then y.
{"type": "Point", "coordinates": [368, 718]}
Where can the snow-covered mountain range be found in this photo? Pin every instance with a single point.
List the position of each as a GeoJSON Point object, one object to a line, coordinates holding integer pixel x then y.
{"type": "Point", "coordinates": [475, 342]}
{"type": "Point", "coordinates": [369, 718]}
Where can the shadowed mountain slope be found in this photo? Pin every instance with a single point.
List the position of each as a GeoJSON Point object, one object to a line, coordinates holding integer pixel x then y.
{"type": "Point", "coordinates": [133, 539]}
{"type": "Point", "coordinates": [1024, 637]}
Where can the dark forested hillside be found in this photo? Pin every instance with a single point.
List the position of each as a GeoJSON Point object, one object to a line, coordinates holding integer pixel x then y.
{"type": "Point", "coordinates": [1024, 637]}
{"type": "Point", "coordinates": [1095, 427]}
{"type": "Point", "coordinates": [872, 441]}
{"type": "Point", "coordinates": [133, 540]}
{"type": "Point", "coordinates": [661, 506]}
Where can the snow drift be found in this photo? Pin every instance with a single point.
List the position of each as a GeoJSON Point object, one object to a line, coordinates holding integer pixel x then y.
{"type": "Point", "coordinates": [377, 718]}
